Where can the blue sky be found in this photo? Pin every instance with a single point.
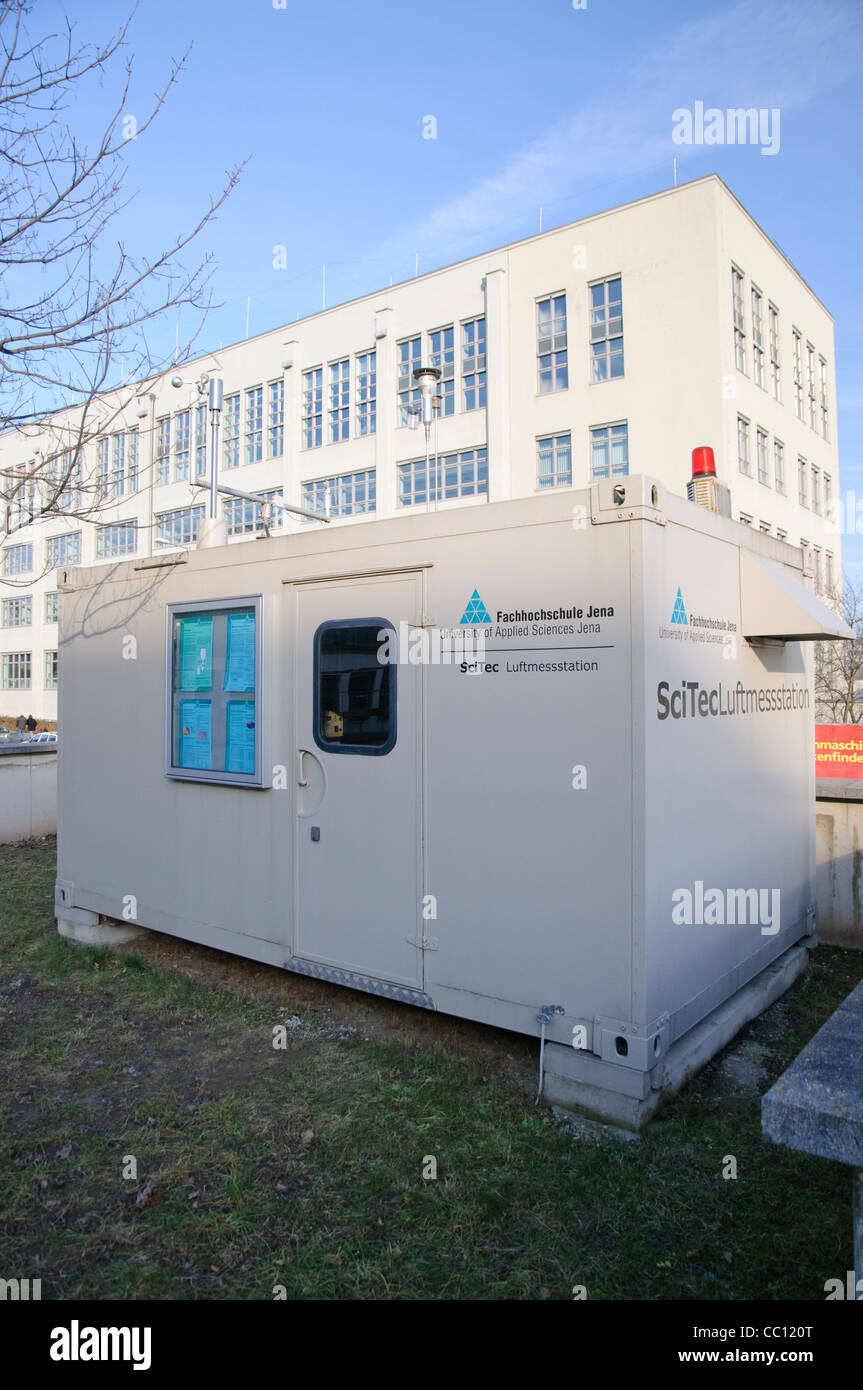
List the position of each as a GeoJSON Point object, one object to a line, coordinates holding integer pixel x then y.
{"type": "Point", "coordinates": [537, 104]}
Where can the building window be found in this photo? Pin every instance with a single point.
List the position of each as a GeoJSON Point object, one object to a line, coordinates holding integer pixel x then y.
{"type": "Point", "coordinates": [50, 670]}
{"type": "Point", "coordinates": [231, 439]}
{"type": "Point", "coordinates": [255, 424]}
{"type": "Point", "coordinates": [473, 364]}
{"type": "Point", "coordinates": [355, 693]}
{"type": "Point", "coordinates": [775, 363]}
{"type": "Point", "coordinates": [200, 440]}
{"type": "Point", "coordinates": [828, 491]}
{"type": "Point", "coordinates": [816, 555]}
{"type": "Point", "coordinates": [276, 420]}
{"type": "Point", "coordinates": [781, 535]}
{"type": "Point", "coordinates": [313, 407]}
{"type": "Point", "coordinates": [606, 329]}
{"type": "Point", "coordinates": [764, 527]}
{"type": "Point", "coordinates": [761, 456]}
{"type": "Point", "coordinates": [215, 674]}
{"type": "Point", "coordinates": [551, 350]}
{"type": "Point", "coordinates": [745, 519]}
{"type": "Point", "coordinates": [17, 559]}
{"type": "Point", "coordinates": [350, 494]}
{"type": "Point", "coordinates": [801, 481]}
{"type": "Point", "coordinates": [410, 355]}
{"type": "Point", "coordinates": [739, 318]}
{"type": "Point", "coordinates": [810, 386]}
{"type": "Point", "coordinates": [21, 495]}
{"type": "Point", "coordinates": [63, 550]}
{"type": "Point", "coordinates": [367, 393]}
{"type": "Point", "coordinates": [120, 538]}
{"type": "Point", "coordinates": [797, 366]}
{"type": "Point", "coordinates": [102, 447]}
{"type": "Point", "coordinates": [179, 527]}
{"type": "Point", "coordinates": [182, 445]}
{"type": "Point", "coordinates": [117, 484]}
{"type": "Point", "coordinates": [51, 606]}
{"type": "Point", "coordinates": [246, 518]}
{"type": "Point", "coordinates": [16, 612]}
{"type": "Point", "coordinates": [554, 461]}
{"type": "Point", "coordinates": [16, 670]}
{"type": "Point", "coordinates": [163, 451]}
{"type": "Point", "coordinates": [828, 571]}
{"type": "Point", "coordinates": [132, 462]}
{"type": "Point", "coordinates": [442, 350]}
{"type": "Point", "coordinates": [757, 338]}
{"type": "Point", "coordinates": [464, 474]}
{"type": "Point", "coordinates": [744, 461]}
{"type": "Point", "coordinates": [779, 466]}
{"type": "Point", "coordinates": [816, 490]}
{"type": "Point", "coordinates": [65, 482]}
{"type": "Point", "coordinates": [609, 451]}
{"type": "Point", "coordinates": [822, 396]}
{"type": "Point", "coordinates": [340, 400]}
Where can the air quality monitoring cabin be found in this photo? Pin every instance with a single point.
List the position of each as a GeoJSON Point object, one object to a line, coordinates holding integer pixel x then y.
{"type": "Point", "coordinates": [546, 764]}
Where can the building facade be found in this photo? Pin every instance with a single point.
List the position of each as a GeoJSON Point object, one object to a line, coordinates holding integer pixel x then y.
{"type": "Point", "coordinates": [612, 345]}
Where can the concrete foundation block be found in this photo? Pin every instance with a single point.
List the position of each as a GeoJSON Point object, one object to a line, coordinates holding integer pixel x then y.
{"type": "Point", "coordinates": [627, 1096]}
{"type": "Point", "coordinates": [85, 929]}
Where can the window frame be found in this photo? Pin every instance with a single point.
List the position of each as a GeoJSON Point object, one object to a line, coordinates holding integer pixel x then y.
{"type": "Point", "coordinates": [192, 774]}
{"type": "Point", "coordinates": [607, 338]}
{"type": "Point", "coordinates": [355, 749]}
{"type": "Point", "coordinates": [552, 353]}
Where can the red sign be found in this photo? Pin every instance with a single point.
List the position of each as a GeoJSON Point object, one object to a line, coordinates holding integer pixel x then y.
{"type": "Point", "coordinates": [839, 750]}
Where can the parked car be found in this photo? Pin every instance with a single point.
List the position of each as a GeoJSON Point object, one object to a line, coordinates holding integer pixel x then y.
{"type": "Point", "coordinates": [45, 737]}
{"type": "Point", "coordinates": [4, 734]}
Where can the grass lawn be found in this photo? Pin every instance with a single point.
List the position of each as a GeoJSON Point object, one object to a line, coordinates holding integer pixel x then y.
{"type": "Point", "coordinates": [303, 1166]}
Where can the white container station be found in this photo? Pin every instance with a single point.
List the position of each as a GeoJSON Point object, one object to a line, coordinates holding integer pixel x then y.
{"type": "Point", "coordinates": [593, 823]}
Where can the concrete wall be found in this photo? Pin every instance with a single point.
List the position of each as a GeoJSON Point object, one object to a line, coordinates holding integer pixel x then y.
{"type": "Point", "coordinates": [28, 795]}
{"type": "Point", "coordinates": [839, 860]}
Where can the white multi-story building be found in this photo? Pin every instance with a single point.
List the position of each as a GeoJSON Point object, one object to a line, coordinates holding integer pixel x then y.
{"type": "Point", "coordinates": [612, 345]}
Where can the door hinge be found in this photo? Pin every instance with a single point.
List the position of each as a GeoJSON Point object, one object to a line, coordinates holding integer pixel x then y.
{"type": "Point", "coordinates": [423, 943]}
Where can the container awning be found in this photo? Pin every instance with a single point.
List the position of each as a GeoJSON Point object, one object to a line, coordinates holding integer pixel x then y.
{"type": "Point", "coordinates": [774, 604]}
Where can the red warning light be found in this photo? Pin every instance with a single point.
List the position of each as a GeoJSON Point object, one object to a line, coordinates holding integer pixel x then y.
{"type": "Point", "coordinates": [703, 463]}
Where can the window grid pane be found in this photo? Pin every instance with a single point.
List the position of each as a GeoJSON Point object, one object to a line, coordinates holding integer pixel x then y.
{"type": "Point", "coordinates": [16, 670]}
{"type": "Point", "coordinates": [255, 424]}
{"type": "Point", "coordinates": [366, 393]}
{"type": "Point", "coordinates": [554, 461]}
{"type": "Point", "coordinates": [464, 474]}
{"type": "Point", "coordinates": [276, 421]}
{"type": "Point", "coordinates": [351, 494]}
{"type": "Point", "coordinates": [231, 432]}
{"type": "Point", "coordinates": [340, 400]}
{"type": "Point", "coordinates": [606, 330]}
{"type": "Point", "coordinates": [410, 357]}
{"type": "Point", "coordinates": [609, 451]}
{"type": "Point", "coordinates": [179, 527]}
{"type": "Point", "coordinates": [473, 364]}
{"type": "Point", "coordinates": [551, 348]}
{"type": "Point", "coordinates": [313, 407]}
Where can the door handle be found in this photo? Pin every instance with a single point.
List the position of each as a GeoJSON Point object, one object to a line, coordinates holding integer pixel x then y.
{"type": "Point", "coordinates": [301, 780]}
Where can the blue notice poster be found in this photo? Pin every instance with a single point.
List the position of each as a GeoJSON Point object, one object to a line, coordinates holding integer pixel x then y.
{"type": "Point", "coordinates": [194, 746]}
{"type": "Point", "coordinates": [196, 654]}
{"type": "Point", "coordinates": [240, 736]}
{"type": "Point", "coordinates": [240, 658]}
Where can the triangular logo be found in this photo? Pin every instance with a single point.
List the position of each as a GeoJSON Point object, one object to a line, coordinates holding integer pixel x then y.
{"type": "Point", "coordinates": [679, 614]}
{"type": "Point", "coordinates": [476, 610]}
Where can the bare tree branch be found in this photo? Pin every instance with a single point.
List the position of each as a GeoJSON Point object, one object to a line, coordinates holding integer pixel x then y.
{"type": "Point", "coordinates": [76, 302]}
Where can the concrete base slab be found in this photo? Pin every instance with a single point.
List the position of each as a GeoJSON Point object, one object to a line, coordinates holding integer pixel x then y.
{"type": "Point", "coordinates": [627, 1097]}
{"type": "Point", "coordinates": [96, 933]}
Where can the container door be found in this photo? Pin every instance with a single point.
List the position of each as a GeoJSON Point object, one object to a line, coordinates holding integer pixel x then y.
{"type": "Point", "coordinates": [359, 777]}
